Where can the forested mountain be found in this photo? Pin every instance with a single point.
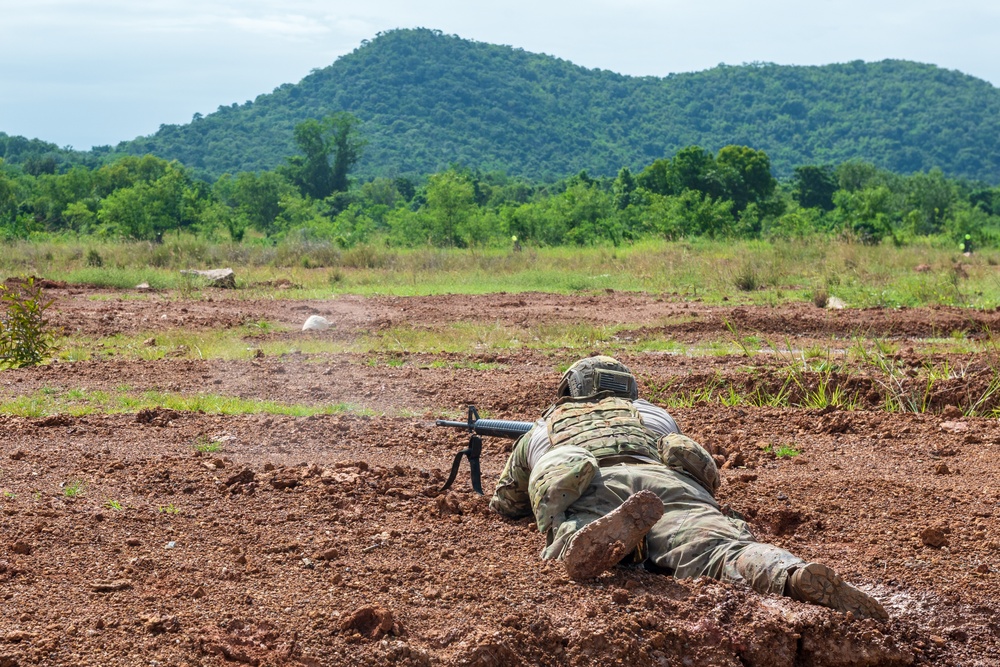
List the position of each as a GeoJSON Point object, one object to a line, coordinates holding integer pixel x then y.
{"type": "Point", "coordinates": [427, 100]}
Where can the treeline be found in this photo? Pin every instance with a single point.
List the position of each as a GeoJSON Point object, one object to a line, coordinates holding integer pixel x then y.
{"type": "Point", "coordinates": [695, 193]}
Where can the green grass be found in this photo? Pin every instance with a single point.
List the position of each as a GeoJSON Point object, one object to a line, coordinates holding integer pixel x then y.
{"type": "Point", "coordinates": [74, 489]}
{"type": "Point", "coordinates": [81, 402]}
{"type": "Point", "coordinates": [114, 505]}
{"type": "Point", "coordinates": [206, 445]}
{"type": "Point", "coordinates": [783, 451]}
{"type": "Point", "coordinates": [730, 271]}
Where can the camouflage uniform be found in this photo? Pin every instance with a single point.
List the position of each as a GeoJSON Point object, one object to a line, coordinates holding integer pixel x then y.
{"type": "Point", "coordinates": [587, 456]}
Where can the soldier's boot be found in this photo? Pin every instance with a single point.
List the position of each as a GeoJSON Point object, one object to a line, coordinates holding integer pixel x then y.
{"type": "Point", "coordinates": [601, 544]}
{"type": "Point", "coordinates": [818, 584]}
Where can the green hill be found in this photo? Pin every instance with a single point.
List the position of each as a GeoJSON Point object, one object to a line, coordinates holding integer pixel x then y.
{"type": "Point", "coordinates": [428, 100]}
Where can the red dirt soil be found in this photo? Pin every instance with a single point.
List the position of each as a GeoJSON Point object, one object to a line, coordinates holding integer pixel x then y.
{"type": "Point", "coordinates": [324, 541]}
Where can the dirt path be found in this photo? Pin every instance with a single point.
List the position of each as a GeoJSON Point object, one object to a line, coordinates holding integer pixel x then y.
{"type": "Point", "coordinates": [322, 540]}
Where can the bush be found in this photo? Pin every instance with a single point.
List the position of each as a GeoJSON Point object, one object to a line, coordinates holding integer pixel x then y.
{"type": "Point", "coordinates": [748, 279]}
{"type": "Point", "coordinates": [24, 336]}
{"type": "Point", "coordinates": [94, 258]}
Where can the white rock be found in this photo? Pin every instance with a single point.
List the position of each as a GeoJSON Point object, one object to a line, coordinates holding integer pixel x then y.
{"type": "Point", "coordinates": [142, 286]}
{"type": "Point", "coordinates": [835, 303]}
{"type": "Point", "coordinates": [316, 323]}
{"type": "Point", "coordinates": [224, 278]}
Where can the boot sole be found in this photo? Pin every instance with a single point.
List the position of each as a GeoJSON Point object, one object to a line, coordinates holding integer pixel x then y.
{"type": "Point", "coordinates": [598, 546]}
{"type": "Point", "coordinates": [820, 585]}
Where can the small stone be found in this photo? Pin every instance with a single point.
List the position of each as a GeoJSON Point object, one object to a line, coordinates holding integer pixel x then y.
{"type": "Point", "coordinates": [619, 596]}
{"type": "Point", "coordinates": [983, 568]}
{"type": "Point", "coordinates": [111, 586]}
{"type": "Point", "coordinates": [198, 593]}
{"type": "Point", "coordinates": [834, 303]}
{"type": "Point", "coordinates": [17, 456]}
{"type": "Point", "coordinates": [951, 412]}
{"type": "Point", "coordinates": [149, 342]}
{"type": "Point", "coordinates": [933, 537]}
{"type": "Point", "coordinates": [316, 323]}
{"type": "Point", "coordinates": [22, 548]}
{"type": "Point", "coordinates": [170, 545]}
{"type": "Point", "coordinates": [941, 468]}
{"type": "Point", "coordinates": [133, 542]}
{"type": "Point", "coordinates": [370, 622]}
{"type": "Point", "coordinates": [953, 427]}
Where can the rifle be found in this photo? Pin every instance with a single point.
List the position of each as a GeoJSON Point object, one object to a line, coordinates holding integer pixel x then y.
{"type": "Point", "coordinates": [500, 428]}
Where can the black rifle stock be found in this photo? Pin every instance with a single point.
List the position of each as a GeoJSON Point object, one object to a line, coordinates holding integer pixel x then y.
{"type": "Point", "coordinates": [500, 428]}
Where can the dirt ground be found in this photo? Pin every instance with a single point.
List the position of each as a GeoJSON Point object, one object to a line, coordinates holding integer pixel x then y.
{"type": "Point", "coordinates": [324, 540]}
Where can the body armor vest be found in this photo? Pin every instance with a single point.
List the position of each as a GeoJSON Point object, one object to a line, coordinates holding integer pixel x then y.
{"type": "Point", "coordinates": [603, 425]}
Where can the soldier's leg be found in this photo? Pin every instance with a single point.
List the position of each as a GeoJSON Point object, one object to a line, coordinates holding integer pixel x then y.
{"type": "Point", "coordinates": [694, 539]}
{"type": "Point", "coordinates": [605, 493]}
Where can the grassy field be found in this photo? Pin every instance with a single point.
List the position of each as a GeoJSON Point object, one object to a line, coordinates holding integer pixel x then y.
{"type": "Point", "coordinates": [713, 271]}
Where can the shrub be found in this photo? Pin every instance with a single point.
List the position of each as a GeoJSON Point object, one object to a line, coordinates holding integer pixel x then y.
{"type": "Point", "coordinates": [94, 258]}
{"type": "Point", "coordinates": [747, 279]}
{"type": "Point", "coordinates": [25, 339]}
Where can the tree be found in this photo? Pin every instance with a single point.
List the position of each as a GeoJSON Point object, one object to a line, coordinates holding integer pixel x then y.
{"type": "Point", "coordinates": [746, 175]}
{"type": "Point", "coordinates": [331, 147]}
{"type": "Point", "coordinates": [451, 201]}
{"type": "Point", "coordinates": [813, 186]}
{"type": "Point", "coordinates": [258, 200]}
{"type": "Point", "coordinates": [622, 189]}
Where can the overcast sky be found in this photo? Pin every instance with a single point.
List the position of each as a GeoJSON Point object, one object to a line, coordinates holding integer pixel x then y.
{"type": "Point", "coordinates": [90, 72]}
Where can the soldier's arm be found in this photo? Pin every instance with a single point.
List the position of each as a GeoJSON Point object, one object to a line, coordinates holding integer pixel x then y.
{"type": "Point", "coordinates": [655, 418]}
{"type": "Point", "coordinates": [511, 496]}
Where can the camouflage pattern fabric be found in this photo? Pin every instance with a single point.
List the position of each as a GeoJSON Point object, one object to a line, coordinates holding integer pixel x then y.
{"type": "Point", "coordinates": [608, 426]}
{"type": "Point", "coordinates": [558, 479]}
{"type": "Point", "coordinates": [681, 453]}
{"type": "Point", "coordinates": [511, 499]}
{"type": "Point", "coordinates": [692, 538]}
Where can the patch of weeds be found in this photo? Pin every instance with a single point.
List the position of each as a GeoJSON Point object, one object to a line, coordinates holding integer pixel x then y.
{"type": "Point", "coordinates": [748, 279]}
{"type": "Point", "coordinates": [204, 444]}
{"type": "Point", "coordinates": [114, 505]}
{"type": "Point", "coordinates": [743, 342]}
{"type": "Point", "coordinates": [9, 495]}
{"type": "Point", "coordinates": [169, 509]}
{"type": "Point", "coordinates": [783, 451]}
{"type": "Point", "coordinates": [74, 489]}
{"type": "Point", "coordinates": [25, 337]}
{"type": "Point", "coordinates": [94, 258]}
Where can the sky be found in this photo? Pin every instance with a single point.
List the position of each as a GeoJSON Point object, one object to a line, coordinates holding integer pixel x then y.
{"type": "Point", "coordinates": [84, 73]}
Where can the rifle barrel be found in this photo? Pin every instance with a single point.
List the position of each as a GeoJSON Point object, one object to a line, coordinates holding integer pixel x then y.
{"type": "Point", "coordinates": [500, 428]}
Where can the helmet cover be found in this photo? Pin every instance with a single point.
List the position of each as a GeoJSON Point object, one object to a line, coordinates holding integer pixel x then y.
{"type": "Point", "coordinates": [590, 376]}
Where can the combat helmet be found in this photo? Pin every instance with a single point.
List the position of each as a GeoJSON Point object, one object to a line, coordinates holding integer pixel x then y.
{"type": "Point", "coordinates": [593, 375]}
